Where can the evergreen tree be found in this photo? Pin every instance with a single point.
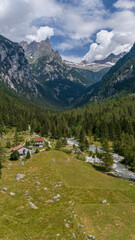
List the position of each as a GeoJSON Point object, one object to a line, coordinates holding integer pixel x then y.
{"type": "Point", "coordinates": [16, 138]}
{"type": "Point", "coordinates": [58, 144]}
{"type": "Point", "coordinates": [28, 155]}
{"type": "Point", "coordinates": [2, 155]}
{"type": "Point", "coordinates": [14, 156]}
{"type": "Point", "coordinates": [107, 157]}
{"type": "Point", "coordinates": [8, 144]}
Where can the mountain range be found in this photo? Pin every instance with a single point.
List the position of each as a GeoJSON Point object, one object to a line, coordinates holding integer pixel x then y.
{"type": "Point", "coordinates": [35, 71]}
{"type": "Point", "coordinates": [120, 80]}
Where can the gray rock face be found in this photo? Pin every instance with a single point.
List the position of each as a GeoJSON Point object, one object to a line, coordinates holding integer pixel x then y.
{"type": "Point", "coordinates": [47, 67]}
{"type": "Point", "coordinates": [19, 176]}
{"type": "Point", "coordinates": [14, 67]}
{"type": "Point", "coordinates": [37, 49]}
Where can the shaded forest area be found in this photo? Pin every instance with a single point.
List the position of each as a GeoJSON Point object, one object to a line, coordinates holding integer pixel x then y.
{"type": "Point", "coordinates": [113, 120]}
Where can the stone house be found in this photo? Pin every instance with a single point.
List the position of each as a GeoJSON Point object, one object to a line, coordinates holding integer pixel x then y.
{"type": "Point", "coordinates": [39, 142]}
{"type": "Point", "coordinates": [22, 150]}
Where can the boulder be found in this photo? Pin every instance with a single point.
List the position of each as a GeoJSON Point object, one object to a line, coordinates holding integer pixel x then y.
{"type": "Point", "coordinates": [73, 235]}
{"type": "Point", "coordinates": [78, 151]}
{"type": "Point", "coordinates": [80, 226]}
{"type": "Point", "coordinates": [56, 197]}
{"type": "Point", "coordinates": [67, 225]}
{"type": "Point", "coordinates": [21, 163]}
{"type": "Point", "coordinates": [38, 183]}
{"type": "Point", "coordinates": [4, 189]}
{"type": "Point", "coordinates": [11, 194]}
{"type": "Point", "coordinates": [19, 176]}
{"type": "Point", "coordinates": [91, 237]}
{"type": "Point", "coordinates": [32, 205]}
{"type": "Point", "coordinates": [53, 160]}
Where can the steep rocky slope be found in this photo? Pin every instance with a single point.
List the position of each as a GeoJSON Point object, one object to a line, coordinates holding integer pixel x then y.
{"type": "Point", "coordinates": [56, 81]}
{"type": "Point", "coordinates": [14, 68]}
{"type": "Point", "coordinates": [119, 80]}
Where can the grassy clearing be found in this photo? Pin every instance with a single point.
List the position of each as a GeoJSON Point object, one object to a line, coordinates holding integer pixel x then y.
{"type": "Point", "coordinates": [81, 189]}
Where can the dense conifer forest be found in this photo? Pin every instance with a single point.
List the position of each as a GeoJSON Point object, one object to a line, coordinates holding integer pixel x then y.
{"type": "Point", "coordinates": [113, 120]}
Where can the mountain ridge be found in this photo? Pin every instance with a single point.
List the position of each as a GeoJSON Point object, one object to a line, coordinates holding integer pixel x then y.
{"type": "Point", "coordinates": [119, 80]}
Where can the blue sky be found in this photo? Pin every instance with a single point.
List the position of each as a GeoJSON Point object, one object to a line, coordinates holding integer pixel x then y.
{"type": "Point", "coordinates": [83, 29]}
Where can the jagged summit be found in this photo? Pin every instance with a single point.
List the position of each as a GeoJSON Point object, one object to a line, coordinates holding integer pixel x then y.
{"type": "Point", "coordinates": [37, 49]}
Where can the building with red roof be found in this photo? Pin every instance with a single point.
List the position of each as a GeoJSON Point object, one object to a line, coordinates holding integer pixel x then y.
{"type": "Point", "coordinates": [39, 141]}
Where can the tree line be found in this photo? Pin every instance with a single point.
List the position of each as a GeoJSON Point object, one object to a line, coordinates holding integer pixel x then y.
{"type": "Point", "coordinates": [113, 120]}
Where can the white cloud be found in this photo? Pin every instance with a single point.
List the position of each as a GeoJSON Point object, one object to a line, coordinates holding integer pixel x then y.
{"type": "Point", "coordinates": [17, 16]}
{"type": "Point", "coordinates": [121, 36]}
{"type": "Point", "coordinates": [125, 4]}
{"type": "Point", "coordinates": [101, 48]}
{"type": "Point", "coordinates": [107, 43]}
{"type": "Point", "coordinates": [41, 34]}
{"type": "Point", "coordinates": [72, 59]}
{"type": "Point", "coordinates": [76, 22]}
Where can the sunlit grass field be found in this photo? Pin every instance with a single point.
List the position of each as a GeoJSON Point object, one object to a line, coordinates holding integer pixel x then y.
{"type": "Point", "coordinates": [82, 190]}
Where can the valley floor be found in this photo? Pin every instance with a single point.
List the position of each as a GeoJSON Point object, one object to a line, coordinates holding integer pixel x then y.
{"type": "Point", "coordinates": [69, 195]}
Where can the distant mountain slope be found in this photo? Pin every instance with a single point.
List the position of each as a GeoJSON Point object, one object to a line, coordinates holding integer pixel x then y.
{"type": "Point", "coordinates": [97, 69]}
{"type": "Point", "coordinates": [14, 68]}
{"type": "Point", "coordinates": [56, 81]}
{"type": "Point", "coordinates": [42, 76]}
{"type": "Point", "coordinates": [112, 58]}
{"type": "Point", "coordinates": [119, 80]}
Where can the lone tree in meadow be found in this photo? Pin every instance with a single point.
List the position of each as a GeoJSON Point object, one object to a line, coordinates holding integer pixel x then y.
{"type": "Point", "coordinates": [107, 157]}
{"type": "Point", "coordinates": [2, 154]}
{"type": "Point", "coordinates": [28, 155]}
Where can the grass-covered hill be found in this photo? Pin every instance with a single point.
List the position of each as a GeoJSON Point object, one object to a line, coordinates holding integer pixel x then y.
{"type": "Point", "coordinates": [76, 212]}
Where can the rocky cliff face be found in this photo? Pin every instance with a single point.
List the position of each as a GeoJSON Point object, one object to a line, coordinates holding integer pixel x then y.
{"type": "Point", "coordinates": [37, 50]}
{"type": "Point", "coordinates": [14, 68]}
{"type": "Point", "coordinates": [55, 80]}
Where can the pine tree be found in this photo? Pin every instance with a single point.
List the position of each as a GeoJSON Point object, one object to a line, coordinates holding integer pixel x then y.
{"type": "Point", "coordinates": [107, 157]}
{"type": "Point", "coordinates": [14, 156]}
{"type": "Point", "coordinates": [58, 144]}
{"type": "Point", "coordinates": [28, 155]}
{"type": "Point", "coordinates": [8, 144]}
{"type": "Point", "coordinates": [2, 155]}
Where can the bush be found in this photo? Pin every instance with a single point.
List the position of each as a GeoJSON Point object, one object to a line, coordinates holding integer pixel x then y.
{"type": "Point", "coordinates": [14, 156]}
{"type": "Point", "coordinates": [27, 144]}
{"type": "Point", "coordinates": [48, 149]}
{"type": "Point", "coordinates": [58, 144]}
{"type": "Point", "coordinates": [67, 151]}
{"type": "Point", "coordinates": [8, 144]}
{"type": "Point", "coordinates": [37, 150]}
{"type": "Point", "coordinates": [81, 157]}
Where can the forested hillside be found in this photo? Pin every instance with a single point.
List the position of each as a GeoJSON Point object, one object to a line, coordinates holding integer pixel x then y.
{"type": "Point", "coordinates": [113, 120]}
{"type": "Point", "coordinates": [119, 80]}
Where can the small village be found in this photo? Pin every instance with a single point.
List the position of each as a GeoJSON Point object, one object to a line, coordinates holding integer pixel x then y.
{"type": "Point", "coordinates": [23, 150]}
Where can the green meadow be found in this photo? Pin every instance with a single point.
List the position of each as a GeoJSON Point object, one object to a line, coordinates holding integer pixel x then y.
{"type": "Point", "coordinates": [76, 213]}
